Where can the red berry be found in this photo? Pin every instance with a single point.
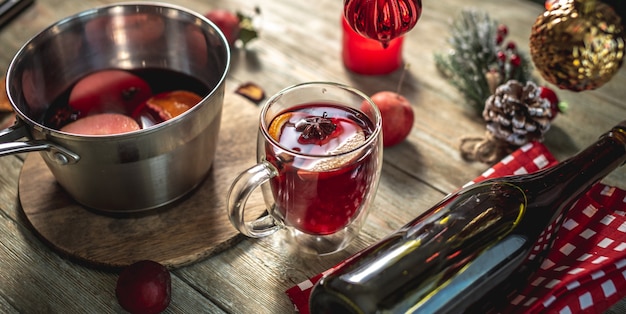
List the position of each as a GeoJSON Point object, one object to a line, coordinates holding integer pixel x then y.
{"type": "Point", "coordinates": [397, 116]}
{"type": "Point", "coordinates": [144, 287]}
{"type": "Point", "coordinates": [501, 56]}
{"type": "Point", "coordinates": [503, 30]}
{"type": "Point", "coordinates": [550, 95]}
{"type": "Point", "coordinates": [227, 22]}
{"type": "Point", "coordinates": [511, 46]}
{"type": "Point", "coordinates": [515, 60]}
{"type": "Point", "coordinates": [499, 39]}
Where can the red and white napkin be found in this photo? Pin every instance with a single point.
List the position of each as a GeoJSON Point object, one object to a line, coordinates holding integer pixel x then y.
{"type": "Point", "coordinates": [586, 268]}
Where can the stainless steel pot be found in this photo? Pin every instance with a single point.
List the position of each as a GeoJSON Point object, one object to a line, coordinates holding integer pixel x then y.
{"type": "Point", "coordinates": [134, 171]}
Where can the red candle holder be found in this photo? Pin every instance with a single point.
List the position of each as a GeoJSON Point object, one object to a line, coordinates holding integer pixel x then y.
{"type": "Point", "coordinates": [367, 56]}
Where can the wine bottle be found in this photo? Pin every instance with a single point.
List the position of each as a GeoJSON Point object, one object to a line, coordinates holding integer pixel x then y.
{"type": "Point", "coordinates": [471, 243]}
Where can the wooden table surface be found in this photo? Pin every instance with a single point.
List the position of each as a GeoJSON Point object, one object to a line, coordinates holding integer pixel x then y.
{"type": "Point", "coordinates": [300, 41]}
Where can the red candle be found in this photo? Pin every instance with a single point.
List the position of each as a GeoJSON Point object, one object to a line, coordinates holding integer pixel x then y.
{"type": "Point", "coordinates": [367, 56]}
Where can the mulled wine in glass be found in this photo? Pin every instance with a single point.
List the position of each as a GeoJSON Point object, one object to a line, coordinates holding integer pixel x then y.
{"type": "Point", "coordinates": [319, 152]}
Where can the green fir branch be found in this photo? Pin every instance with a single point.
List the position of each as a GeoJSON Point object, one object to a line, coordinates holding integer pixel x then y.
{"type": "Point", "coordinates": [474, 52]}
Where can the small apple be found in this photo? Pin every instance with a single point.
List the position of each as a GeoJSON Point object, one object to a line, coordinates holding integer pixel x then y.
{"type": "Point", "coordinates": [397, 116]}
{"type": "Point", "coordinates": [227, 22]}
{"type": "Point", "coordinates": [144, 287]}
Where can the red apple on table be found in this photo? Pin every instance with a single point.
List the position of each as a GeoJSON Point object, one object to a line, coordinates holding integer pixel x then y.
{"type": "Point", "coordinates": [397, 116]}
{"type": "Point", "coordinates": [227, 22]}
{"type": "Point", "coordinates": [144, 287]}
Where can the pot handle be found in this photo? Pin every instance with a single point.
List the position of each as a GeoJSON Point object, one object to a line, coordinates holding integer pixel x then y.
{"type": "Point", "coordinates": [10, 144]}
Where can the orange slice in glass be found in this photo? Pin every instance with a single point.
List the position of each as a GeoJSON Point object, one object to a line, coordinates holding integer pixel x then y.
{"type": "Point", "coordinates": [277, 125]}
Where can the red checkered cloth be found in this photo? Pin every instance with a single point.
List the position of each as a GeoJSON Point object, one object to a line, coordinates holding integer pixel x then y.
{"type": "Point", "coordinates": [586, 268]}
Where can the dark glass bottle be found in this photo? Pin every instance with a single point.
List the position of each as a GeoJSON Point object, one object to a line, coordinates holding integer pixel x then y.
{"type": "Point", "coordinates": [473, 243]}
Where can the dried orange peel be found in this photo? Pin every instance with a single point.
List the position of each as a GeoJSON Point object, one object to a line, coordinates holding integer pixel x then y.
{"type": "Point", "coordinates": [251, 91]}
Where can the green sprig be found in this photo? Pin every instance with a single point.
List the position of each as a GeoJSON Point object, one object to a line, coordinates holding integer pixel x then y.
{"type": "Point", "coordinates": [474, 53]}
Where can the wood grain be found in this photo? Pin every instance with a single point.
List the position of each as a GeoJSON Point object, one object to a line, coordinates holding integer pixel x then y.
{"type": "Point", "coordinates": [189, 230]}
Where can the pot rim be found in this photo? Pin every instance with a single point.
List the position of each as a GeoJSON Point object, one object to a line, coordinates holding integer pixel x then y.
{"type": "Point", "coordinates": [95, 12]}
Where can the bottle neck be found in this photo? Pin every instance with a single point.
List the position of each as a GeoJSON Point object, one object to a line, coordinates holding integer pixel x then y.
{"type": "Point", "coordinates": [578, 173]}
{"type": "Point", "coordinates": [560, 186]}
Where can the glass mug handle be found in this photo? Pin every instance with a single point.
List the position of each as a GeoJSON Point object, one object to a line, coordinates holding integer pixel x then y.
{"type": "Point", "coordinates": [238, 195]}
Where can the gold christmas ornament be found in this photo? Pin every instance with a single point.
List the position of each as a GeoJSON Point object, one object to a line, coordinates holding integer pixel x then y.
{"type": "Point", "coordinates": [577, 44]}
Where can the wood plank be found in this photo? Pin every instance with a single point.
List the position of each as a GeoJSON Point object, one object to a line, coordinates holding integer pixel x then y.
{"type": "Point", "coordinates": [37, 280]}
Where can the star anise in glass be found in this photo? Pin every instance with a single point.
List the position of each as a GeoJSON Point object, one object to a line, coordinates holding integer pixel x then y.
{"type": "Point", "coordinates": [315, 128]}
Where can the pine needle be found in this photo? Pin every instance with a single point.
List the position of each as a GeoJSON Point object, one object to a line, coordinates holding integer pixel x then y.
{"type": "Point", "coordinates": [474, 52]}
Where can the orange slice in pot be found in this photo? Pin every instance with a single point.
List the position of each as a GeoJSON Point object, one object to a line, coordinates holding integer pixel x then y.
{"type": "Point", "coordinates": [172, 104]}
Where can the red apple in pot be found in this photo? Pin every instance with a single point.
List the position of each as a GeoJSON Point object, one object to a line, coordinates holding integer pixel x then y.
{"type": "Point", "coordinates": [109, 91]}
{"type": "Point", "coordinates": [102, 124]}
{"type": "Point", "coordinates": [397, 116]}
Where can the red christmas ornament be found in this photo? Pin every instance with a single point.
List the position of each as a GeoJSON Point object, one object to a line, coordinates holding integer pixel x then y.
{"type": "Point", "coordinates": [382, 20]}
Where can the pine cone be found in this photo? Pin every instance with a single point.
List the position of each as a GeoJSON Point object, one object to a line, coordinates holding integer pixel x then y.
{"type": "Point", "coordinates": [516, 114]}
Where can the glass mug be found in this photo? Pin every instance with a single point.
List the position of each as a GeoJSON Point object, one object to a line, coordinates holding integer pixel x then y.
{"type": "Point", "coordinates": [319, 154]}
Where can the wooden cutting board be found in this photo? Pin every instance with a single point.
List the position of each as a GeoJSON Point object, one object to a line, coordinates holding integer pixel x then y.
{"type": "Point", "coordinates": [182, 233]}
